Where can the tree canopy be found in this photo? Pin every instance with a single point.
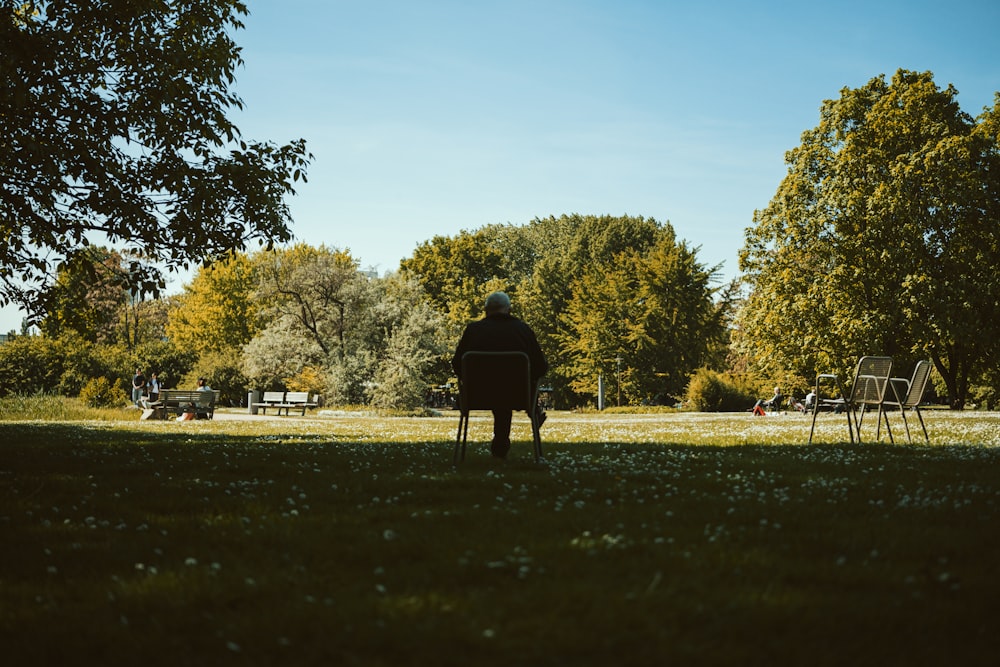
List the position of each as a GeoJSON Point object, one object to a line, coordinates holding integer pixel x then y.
{"type": "Point", "coordinates": [217, 311]}
{"type": "Point", "coordinates": [114, 129]}
{"type": "Point", "coordinates": [883, 237]}
{"type": "Point", "coordinates": [617, 296]}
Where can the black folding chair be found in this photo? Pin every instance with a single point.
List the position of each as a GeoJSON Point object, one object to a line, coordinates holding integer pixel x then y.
{"type": "Point", "coordinates": [495, 381]}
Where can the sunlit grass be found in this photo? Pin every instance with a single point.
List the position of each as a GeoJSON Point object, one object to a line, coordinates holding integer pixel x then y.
{"type": "Point", "coordinates": [44, 407]}
{"type": "Point", "coordinates": [350, 539]}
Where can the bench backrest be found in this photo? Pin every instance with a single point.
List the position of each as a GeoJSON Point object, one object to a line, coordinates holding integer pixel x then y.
{"type": "Point", "coordinates": [202, 399]}
{"type": "Point", "coordinates": [273, 396]}
{"type": "Point", "coordinates": [297, 397]}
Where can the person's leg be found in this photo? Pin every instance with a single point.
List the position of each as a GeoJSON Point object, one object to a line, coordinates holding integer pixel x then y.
{"type": "Point", "coordinates": [501, 433]}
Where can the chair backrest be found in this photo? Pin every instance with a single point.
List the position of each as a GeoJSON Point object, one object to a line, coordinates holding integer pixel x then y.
{"type": "Point", "coordinates": [870, 380]}
{"type": "Point", "coordinates": [495, 380]}
{"type": "Point", "coordinates": [918, 383]}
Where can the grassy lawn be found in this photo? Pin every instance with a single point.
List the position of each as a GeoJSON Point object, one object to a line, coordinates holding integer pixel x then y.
{"type": "Point", "coordinates": [643, 540]}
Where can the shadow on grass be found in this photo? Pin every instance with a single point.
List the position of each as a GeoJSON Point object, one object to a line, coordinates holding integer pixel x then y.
{"type": "Point", "coordinates": [195, 546]}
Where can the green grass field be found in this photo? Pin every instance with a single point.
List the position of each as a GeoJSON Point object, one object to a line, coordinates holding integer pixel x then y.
{"type": "Point", "coordinates": [352, 540]}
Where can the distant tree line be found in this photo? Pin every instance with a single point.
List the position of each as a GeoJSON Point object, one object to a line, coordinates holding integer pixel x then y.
{"type": "Point", "coordinates": [614, 297]}
{"type": "Point", "coordinates": [118, 161]}
{"type": "Point", "coordinates": [618, 297]}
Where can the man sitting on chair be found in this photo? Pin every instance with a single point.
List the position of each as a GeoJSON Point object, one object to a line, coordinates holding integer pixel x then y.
{"type": "Point", "coordinates": [500, 331]}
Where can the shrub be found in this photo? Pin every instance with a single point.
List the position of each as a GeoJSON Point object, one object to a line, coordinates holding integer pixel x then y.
{"type": "Point", "coordinates": [100, 392]}
{"type": "Point", "coordinates": [310, 379]}
{"type": "Point", "coordinates": [709, 391]}
{"type": "Point", "coordinates": [30, 365]}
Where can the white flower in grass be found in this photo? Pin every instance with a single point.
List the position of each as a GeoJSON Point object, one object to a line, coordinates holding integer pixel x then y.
{"type": "Point", "coordinates": [190, 561]}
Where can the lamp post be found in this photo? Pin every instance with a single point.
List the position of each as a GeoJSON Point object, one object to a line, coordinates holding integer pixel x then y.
{"type": "Point", "coordinates": [618, 361]}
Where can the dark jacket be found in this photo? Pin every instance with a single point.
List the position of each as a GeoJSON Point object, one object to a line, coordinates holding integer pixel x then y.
{"type": "Point", "coordinates": [500, 332]}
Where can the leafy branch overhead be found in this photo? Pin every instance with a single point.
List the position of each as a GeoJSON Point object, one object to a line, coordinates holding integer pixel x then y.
{"type": "Point", "coordinates": [114, 130]}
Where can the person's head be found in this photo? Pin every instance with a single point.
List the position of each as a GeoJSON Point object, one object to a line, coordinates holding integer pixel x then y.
{"type": "Point", "coordinates": [498, 302]}
{"type": "Point", "coordinates": [777, 390]}
{"type": "Point", "coordinates": [201, 382]}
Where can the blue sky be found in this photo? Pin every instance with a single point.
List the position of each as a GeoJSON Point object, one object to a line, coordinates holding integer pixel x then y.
{"type": "Point", "coordinates": [430, 117]}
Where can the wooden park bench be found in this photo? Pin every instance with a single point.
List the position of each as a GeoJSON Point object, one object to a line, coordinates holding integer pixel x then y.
{"type": "Point", "coordinates": [175, 402]}
{"type": "Point", "coordinates": [285, 400]}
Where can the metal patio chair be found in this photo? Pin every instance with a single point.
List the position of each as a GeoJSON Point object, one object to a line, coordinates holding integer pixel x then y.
{"type": "Point", "coordinates": [907, 395]}
{"type": "Point", "coordinates": [868, 389]}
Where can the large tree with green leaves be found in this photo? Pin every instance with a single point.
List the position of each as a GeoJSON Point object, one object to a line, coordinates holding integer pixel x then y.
{"type": "Point", "coordinates": [459, 271]}
{"type": "Point", "coordinates": [89, 297]}
{"type": "Point", "coordinates": [643, 320]}
{"type": "Point", "coordinates": [594, 288]}
{"type": "Point", "coordinates": [318, 291]}
{"type": "Point", "coordinates": [884, 237]}
{"type": "Point", "coordinates": [217, 311]}
{"type": "Point", "coordinates": [114, 128]}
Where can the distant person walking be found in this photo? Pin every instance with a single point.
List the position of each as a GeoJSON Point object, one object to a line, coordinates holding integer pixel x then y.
{"type": "Point", "coordinates": [138, 387]}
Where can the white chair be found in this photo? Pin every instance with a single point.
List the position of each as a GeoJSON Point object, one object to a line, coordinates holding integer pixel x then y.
{"type": "Point", "coordinates": [907, 395]}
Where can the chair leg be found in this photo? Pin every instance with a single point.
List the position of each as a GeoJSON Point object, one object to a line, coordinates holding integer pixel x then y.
{"type": "Point", "coordinates": [920, 417]}
{"type": "Point", "coordinates": [853, 423]}
{"type": "Point", "coordinates": [859, 421]}
{"type": "Point", "coordinates": [883, 415]}
{"type": "Point", "coordinates": [888, 428]}
{"type": "Point", "coordinates": [536, 435]}
{"type": "Point", "coordinates": [463, 420]}
{"type": "Point", "coordinates": [813, 427]}
{"type": "Point", "coordinates": [902, 412]}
